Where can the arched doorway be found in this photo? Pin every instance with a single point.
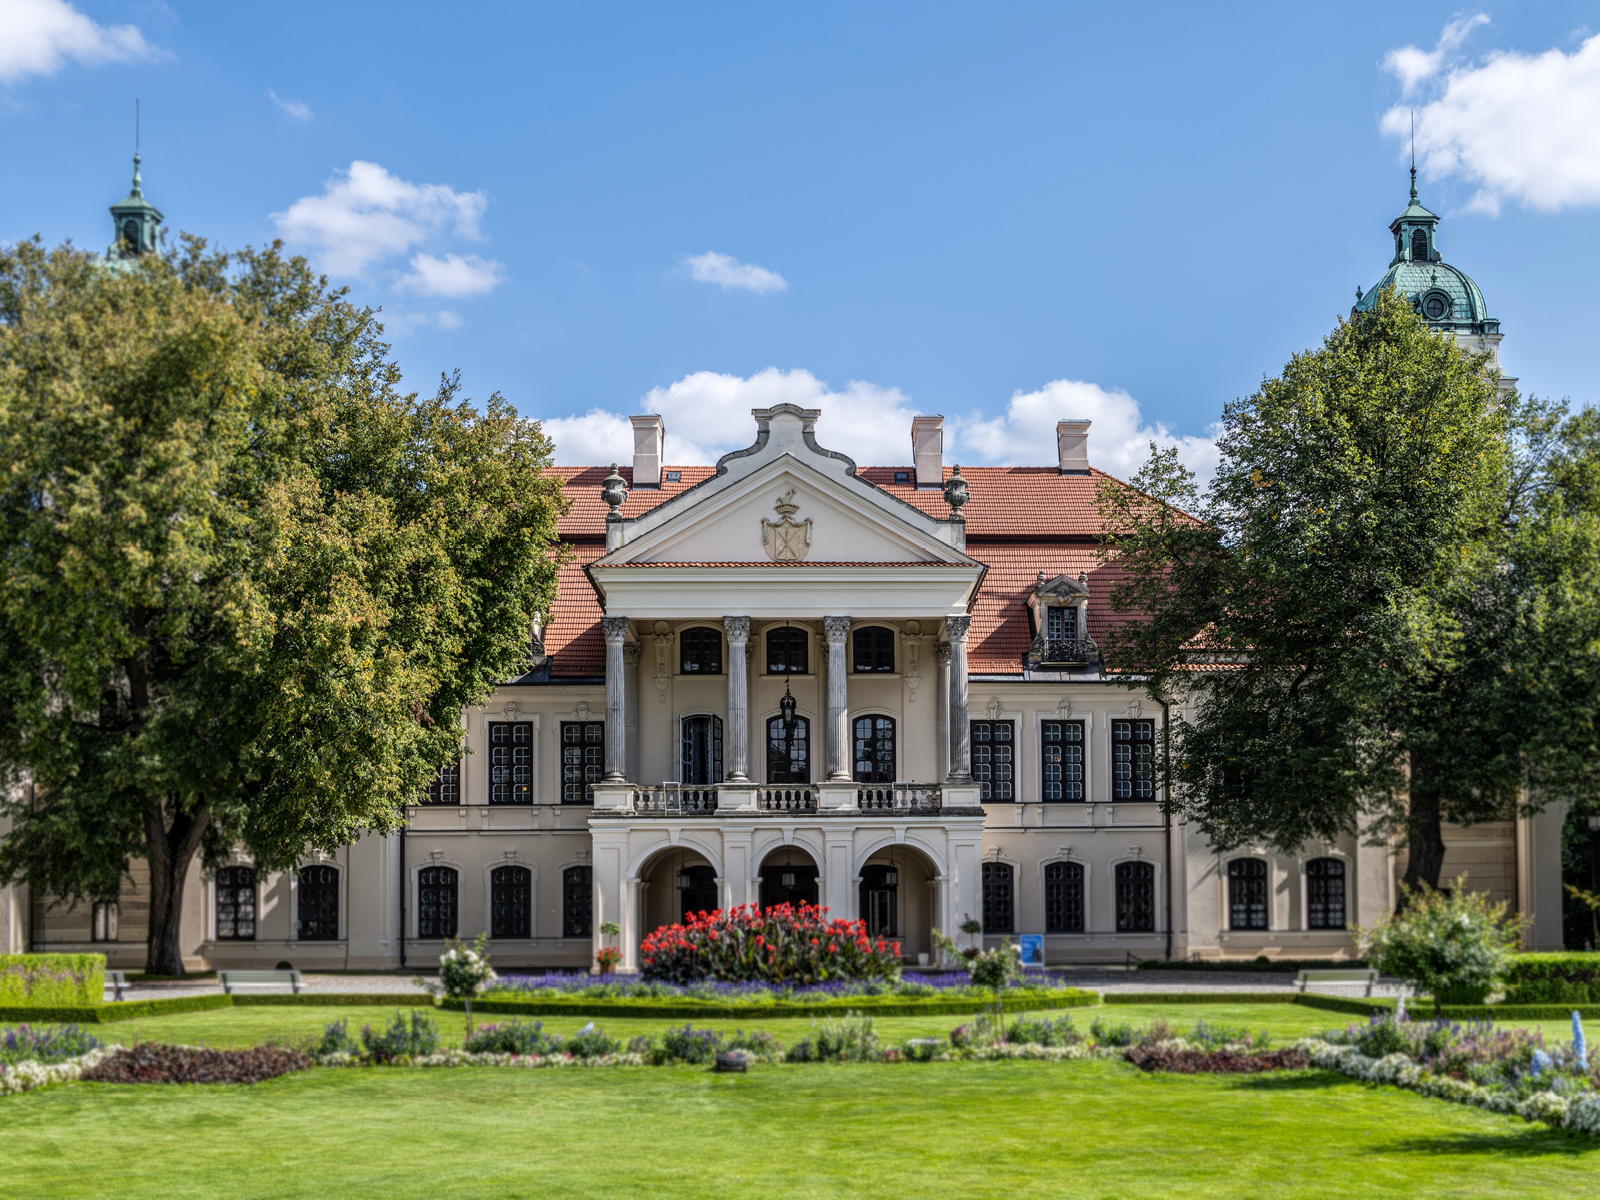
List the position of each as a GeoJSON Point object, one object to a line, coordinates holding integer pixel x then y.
{"type": "Point", "coordinates": [898, 901]}
{"type": "Point", "coordinates": [677, 883]}
{"type": "Point", "coordinates": [788, 876]}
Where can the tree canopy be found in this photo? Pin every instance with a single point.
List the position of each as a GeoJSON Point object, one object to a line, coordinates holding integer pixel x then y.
{"type": "Point", "coordinates": [248, 584]}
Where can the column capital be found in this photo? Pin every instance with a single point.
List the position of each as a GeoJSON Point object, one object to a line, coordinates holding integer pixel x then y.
{"type": "Point", "coordinates": [957, 628]}
{"type": "Point", "coordinates": [631, 652]}
{"type": "Point", "coordinates": [615, 630]}
{"type": "Point", "coordinates": [942, 649]}
{"type": "Point", "coordinates": [738, 630]}
{"type": "Point", "coordinates": [836, 627]}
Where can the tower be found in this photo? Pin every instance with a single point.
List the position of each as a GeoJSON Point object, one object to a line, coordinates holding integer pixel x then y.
{"type": "Point", "coordinates": [136, 222]}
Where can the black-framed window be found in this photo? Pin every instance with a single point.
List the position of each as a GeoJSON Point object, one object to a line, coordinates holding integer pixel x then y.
{"type": "Point", "coordinates": [786, 651]}
{"type": "Point", "coordinates": [446, 786]}
{"type": "Point", "coordinates": [701, 756]}
{"type": "Point", "coordinates": [1063, 897]}
{"type": "Point", "coordinates": [583, 759]}
{"type": "Point", "coordinates": [993, 760]}
{"type": "Point", "coordinates": [577, 902]}
{"type": "Point", "coordinates": [788, 751]}
{"type": "Point", "coordinates": [236, 904]}
{"type": "Point", "coordinates": [1247, 894]}
{"type": "Point", "coordinates": [1325, 893]}
{"type": "Point", "coordinates": [999, 898]}
{"type": "Point", "coordinates": [874, 649]}
{"type": "Point", "coordinates": [1133, 760]}
{"type": "Point", "coordinates": [701, 895]}
{"type": "Point", "coordinates": [1060, 623]}
{"type": "Point", "coordinates": [317, 904]}
{"type": "Point", "coordinates": [1061, 760]}
{"type": "Point", "coordinates": [880, 900]}
{"type": "Point", "coordinates": [510, 762]}
{"type": "Point", "coordinates": [438, 901]}
{"type": "Point", "coordinates": [510, 902]}
{"type": "Point", "coordinates": [700, 651]}
{"type": "Point", "coordinates": [104, 918]}
{"type": "Point", "coordinates": [1136, 897]}
{"type": "Point", "coordinates": [874, 749]}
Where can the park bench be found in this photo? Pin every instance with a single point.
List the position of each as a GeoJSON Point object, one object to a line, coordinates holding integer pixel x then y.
{"type": "Point", "coordinates": [232, 980]}
{"type": "Point", "coordinates": [1364, 975]}
{"type": "Point", "coordinates": [117, 982]}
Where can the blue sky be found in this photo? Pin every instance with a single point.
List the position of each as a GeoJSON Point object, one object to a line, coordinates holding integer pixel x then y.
{"type": "Point", "coordinates": [1006, 214]}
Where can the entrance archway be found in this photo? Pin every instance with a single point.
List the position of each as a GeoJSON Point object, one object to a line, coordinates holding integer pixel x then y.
{"type": "Point", "coordinates": [897, 899]}
{"type": "Point", "coordinates": [788, 876]}
{"type": "Point", "coordinates": [676, 883]}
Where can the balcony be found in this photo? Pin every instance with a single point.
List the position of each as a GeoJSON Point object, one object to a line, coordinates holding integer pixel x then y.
{"type": "Point", "coordinates": [790, 799]}
{"type": "Point", "coordinates": [897, 798]}
{"type": "Point", "coordinates": [1068, 651]}
{"type": "Point", "coordinates": [675, 799]}
{"type": "Point", "coordinates": [735, 800]}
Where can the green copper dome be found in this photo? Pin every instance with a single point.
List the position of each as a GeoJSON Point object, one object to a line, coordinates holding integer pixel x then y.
{"type": "Point", "coordinates": [137, 224]}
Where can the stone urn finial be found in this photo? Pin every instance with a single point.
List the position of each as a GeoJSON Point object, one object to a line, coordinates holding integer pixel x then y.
{"type": "Point", "coordinates": [956, 493]}
{"type": "Point", "coordinates": [614, 490]}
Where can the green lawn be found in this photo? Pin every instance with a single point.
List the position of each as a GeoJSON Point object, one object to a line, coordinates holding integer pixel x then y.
{"type": "Point", "coordinates": [942, 1130]}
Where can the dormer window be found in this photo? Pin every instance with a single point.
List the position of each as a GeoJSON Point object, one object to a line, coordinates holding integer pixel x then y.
{"type": "Point", "coordinates": [1419, 246]}
{"type": "Point", "coordinates": [1057, 609]}
{"type": "Point", "coordinates": [1061, 623]}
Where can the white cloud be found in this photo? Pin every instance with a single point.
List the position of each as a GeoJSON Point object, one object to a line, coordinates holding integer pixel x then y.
{"type": "Point", "coordinates": [399, 323]}
{"type": "Point", "coordinates": [297, 110]}
{"type": "Point", "coordinates": [37, 37]}
{"type": "Point", "coordinates": [453, 275]}
{"type": "Point", "coordinates": [1412, 65]}
{"type": "Point", "coordinates": [708, 414]}
{"type": "Point", "coordinates": [1521, 127]}
{"type": "Point", "coordinates": [728, 271]}
{"type": "Point", "coordinates": [365, 215]}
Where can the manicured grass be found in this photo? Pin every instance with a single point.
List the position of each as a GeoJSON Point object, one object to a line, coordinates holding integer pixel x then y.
{"type": "Point", "coordinates": [942, 1130]}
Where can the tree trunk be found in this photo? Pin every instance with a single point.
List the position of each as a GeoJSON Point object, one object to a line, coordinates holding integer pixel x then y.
{"type": "Point", "coordinates": [169, 849]}
{"type": "Point", "coordinates": [1424, 839]}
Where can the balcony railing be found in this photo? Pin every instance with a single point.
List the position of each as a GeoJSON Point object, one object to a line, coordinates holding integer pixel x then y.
{"type": "Point", "coordinates": [786, 799]}
{"type": "Point", "coordinates": [677, 799]}
{"type": "Point", "coordinates": [899, 798]}
{"type": "Point", "coordinates": [1069, 650]}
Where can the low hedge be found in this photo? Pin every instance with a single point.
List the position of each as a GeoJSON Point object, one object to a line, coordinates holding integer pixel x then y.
{"type": "Point", "coordinates": [64, 980]}
{"type": "Point", "coordinates": [398, 999]}
{"type": "Point", "coordinates": [99, 1014]}
{"type": "Point", "coordinates": [1345, 1004]}
{"type": "Point", "coordinates": [1270, 966]}
{"type": "Point", "coordinates": [876, 1006]}
{"type": "Point", "coordinates": [1573, 966]}
{"type": "Point", "coordinates": [1423, 1010]}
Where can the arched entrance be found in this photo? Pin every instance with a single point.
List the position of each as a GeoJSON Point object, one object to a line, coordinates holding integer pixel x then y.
{"type": "Point", "coordinates": [678, 882]}
{"type": "Point", "coordinates": [788, 876]}
{"type": "Point", "coordinates": [898, 900]}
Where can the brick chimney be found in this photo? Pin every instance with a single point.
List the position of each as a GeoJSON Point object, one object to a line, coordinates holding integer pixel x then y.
{"type": "Point", "coordinates": [648, 433]}
{"type": "Point", "coordinates": [927, 451]}
{"type": "Point", "coordinates": [1072, 446]}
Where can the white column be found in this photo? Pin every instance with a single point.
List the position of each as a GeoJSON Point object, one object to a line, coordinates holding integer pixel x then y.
{"type": "Point", "coordinates": [615, 629]}
{"type": "Point", "coordinates": [960, 729]}
{"type": "Point", "coordinates": [836, 630]}
{"type": "Point", "coordinates": [942, 763]}
{"type": "Point", "coordinates": [631, 653]}
{"type": "Point", "coordinates": [737, 743]}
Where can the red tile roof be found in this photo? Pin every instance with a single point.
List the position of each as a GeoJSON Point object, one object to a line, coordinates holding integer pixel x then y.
{"type": "Point", "coordinates": [806, 563]}
{"type": "Point", "coordinates": [572, 639]}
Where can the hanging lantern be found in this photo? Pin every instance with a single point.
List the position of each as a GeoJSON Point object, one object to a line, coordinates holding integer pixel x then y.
{"type": "Point", "coordinates": [788, 879]}
{"type": "Point", "coordinates": [786, 708]}
{"type": "Point", "coordinates": [685, 882]}
{"type": "Point", "coordinates": [891, 877]}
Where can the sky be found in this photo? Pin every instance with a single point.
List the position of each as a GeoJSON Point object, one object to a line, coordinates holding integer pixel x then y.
{"type": "Point", "coordinates": [1006, 214]}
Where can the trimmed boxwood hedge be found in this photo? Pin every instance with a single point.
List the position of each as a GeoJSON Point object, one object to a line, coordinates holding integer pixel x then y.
{"type": "Point", "coordinates": [1572, 966]}
{"type": "Point", "coordinates": [59, 980]}
{"type": "Point", "coordinates": [877, 1006]}
{"type": "Point", "coordinates": [1271, 966]}
{"type": "Point", "coordinates": [398, 999]}
{"type": "Point", "coordinates": [126, 1010]}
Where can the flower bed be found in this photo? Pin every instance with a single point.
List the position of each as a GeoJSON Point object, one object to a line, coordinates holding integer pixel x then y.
{"type": "Point", "coordinates": [777, 944]}
{"type": "Point", "coordinates": [153, 1063]}
{"type": "Point", "coordinates": [25, 1076]}
{"type": "Point", "coordinates": [1213, 1062]}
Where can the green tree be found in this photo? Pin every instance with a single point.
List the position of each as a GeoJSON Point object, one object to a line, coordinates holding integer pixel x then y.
{"type": "Point", "coordinates": [1381, 615]}
{"type": "Point", "coordinates": [248, 585]}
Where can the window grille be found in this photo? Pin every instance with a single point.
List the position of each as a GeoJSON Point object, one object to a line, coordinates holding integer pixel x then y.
{"type": "Point", "coordinates": [702, 750]}
{"type": "Point", "coordinates": [992, 752]}
{"type": "Point", "coordinates": [510, 902]}
{"type": "Point", "coordinates": [1133, 763]}
{"type": "Point", "coordinates": [438, 891]}
{"type": "Point", "coordinates": [1325, 893]}
{"type": "Point", "coordinates": [1063, 897]}
{"type": "Point", "coordinates": [236, 904]}
{"type": "Point", "coordinates": [880, 901]}
{"type": "Point", "coordinates": [577, 902]}
{"type": "Point", "coordinates": [1247, 894]}
{"type": "Point", "coordinates": [788, 751]}
{"type": "Point", "coordinates": [874, 649]}
{"type": "Point", "coordinates": [510, 762]}
{"type": "Point", "coordinates": [1136, 897]}
{"type": "Point", "coordinates": [317, 904]}
{"type": "Point", "coordinates": [786, 651]}
{"type": "Point", "coordinates": [700, 651]}
{"type": "Point", "coordinates": [998, 896]}
{"type": "Point", "coordinates": [104, 919]}
{"type": "Point", "coordinates": [1061, 623]}
{"type": "Point", "coordinates": [1419, 246]}
{"type": "Point", "coordinates": [874, 745]}
{"type": "Point", "coordinates": [583, 759]}
{"type": "Point", "coordinates": [1061, 755]}
{"type": "Point", "coordinates": [446, 786]}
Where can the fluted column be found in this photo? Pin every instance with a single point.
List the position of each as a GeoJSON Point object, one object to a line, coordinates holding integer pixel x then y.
{"type": "Point", "coordinates": [737, 744]}
{"type": "Point", "coordinates": [960, 728]}
{"type": "Point", "coordinates": [943, 652]}
{"type": "Point", "coordinates": [836, 629]}
{"type": "Point", "coordinates": [615, 630]}
{"type": "Point", "coordinates": [631, 653]}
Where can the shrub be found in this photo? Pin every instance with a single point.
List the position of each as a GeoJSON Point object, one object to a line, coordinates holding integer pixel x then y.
{"type": "Point", "coordinates": [591, 1042]}
{"type": "Point", "coordinates": [402, 1039]}
{"type": "Point", "coordinates": [152, 1063]}
{"type": "Point", "coordinates": [1109, 1033]}
{"type": "Point", "coordinates": [758, 1042]}
{"type": "Point", "coordinates": [849, 1038]}
{"type": "Point", "coordinates": [1042, 1031]}
{"type": "Point", "coordinates": [1570, 966]}
{"type": "Point", "coordinates": [778, 944]}
{"type": "Point", "coordinates": [1213, 1062]}
{"type": "Point", "coordinates": [690, 1045]}
{"type": "Point", "coordinates": [515, 1037]}
{"type": "Point", "coordinates": [1443, 941]}
{"type": "Point", "coordinates": [337, 1039]}
{"type": "Point", "coordinates": [1550, 991]}
{"type": "Point", "coordinates": [58, 980]}
{"type": "Point", "coordinates": [1214, 1037]}
{"type": "Point", "coordinates": [25, 1043]}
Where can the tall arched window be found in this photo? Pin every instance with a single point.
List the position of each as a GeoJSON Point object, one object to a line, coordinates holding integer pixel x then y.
{"type": "Point", "coordinates": [438, 895]}
{"type": "Point", "coordinates": [510, 762]}
{"type": "Point", "coordinates": [317, 904]}
{"type": "Point", "coordinates": [992, 760]}
{"type": "Point", "coordinates": [510, 902]}
{"type": "Point", "coordinates": [874, 742]}
{"type": "Point", "coordinates": [1136, 897]}
{"type": "Point", "coordinates": [1063, 897]}
{"type": "Point", "coordinates": [236, 904]}
{"type": "Point", "coordinates": [700, 651]}
{"type": "Point", "coordinates": [1061, 759]}
{"type": "Point", "coordinates": [1325, 893]}
{"type": "Point", "coordinates": [789, 751]}
{"type": "Point", "coordinates": [577, 902]}
{"type": "Point", "coordinates": [880, 900]}
{"type": "Point", "coordinates": [786, 651]}
{"type": "Point", "coordinates": [702, 750]}
{"type": "Point", "coordinates": [999, 898]}
{"type": "Point", "coordinates": [1247, 894]}
{"type": "Point", "coordinates": [1419, 246]}
{"type": "Point", "coordinates": [874, 649]}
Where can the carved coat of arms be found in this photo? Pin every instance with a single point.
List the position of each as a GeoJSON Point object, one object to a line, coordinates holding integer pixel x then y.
{"type": "Point", "coordinates": [786, 540]}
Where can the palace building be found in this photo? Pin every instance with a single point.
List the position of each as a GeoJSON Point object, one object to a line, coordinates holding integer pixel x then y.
{"type": "Point", "coordinates": [791, 677]}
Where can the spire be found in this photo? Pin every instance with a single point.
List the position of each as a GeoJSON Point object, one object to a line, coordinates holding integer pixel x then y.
{"type": "Point", "coordinates": [1413, 183]}
{"type": "Point", "coordinates": [138, 183]}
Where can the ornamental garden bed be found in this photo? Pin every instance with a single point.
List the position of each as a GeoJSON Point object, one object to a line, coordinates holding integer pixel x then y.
{"type": "Point", "coordinates": [952, 1002]}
